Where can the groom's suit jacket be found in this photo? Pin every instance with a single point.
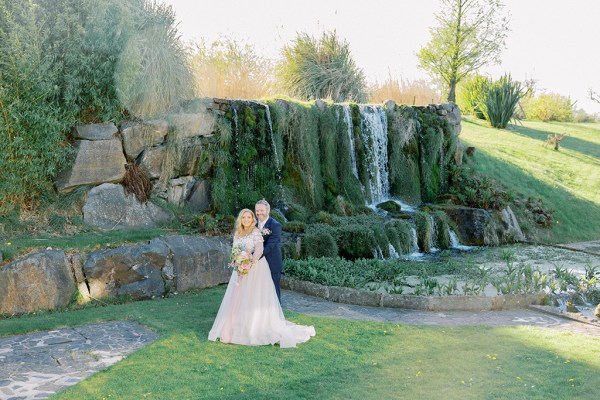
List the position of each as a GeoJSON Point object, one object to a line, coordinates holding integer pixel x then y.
{"type": "Point", "coordinates": [272, 245]}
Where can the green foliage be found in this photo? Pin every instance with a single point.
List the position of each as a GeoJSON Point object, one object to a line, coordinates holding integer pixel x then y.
{"type": "Point", "coordinates": [469, 34]}
{"type": "Point", "coordinates": [548, 107]}
{"type": "Point", "coordinates": [277, 216]}
{"type": "Point", "coordinates": [319, 241]}
{"type": "Point", "coordinates": [437, 145]}
{"type": "Point", "coordinates": [500, 101]}
{"type": "Point", "coordinates": [475, 190]}
{"type": "Point", "coordinates": [471, 95]}
{"type": "Point", "coordinates": [31, 122]}
{"type": "Point", "coordinates": [217, 225]}
{"type": "Point", "coordinates": [356, 241]}
{"type": "Point", "coordinates": [294, 227]}
{"type": "Point", "coordinates": [58, 64]}
{"type": "Point", "coordinates": [403, 154]}
{"type": "Point", "coordinates": [321, 69]}
{"type": "Point", "coordinates": [152, 75]}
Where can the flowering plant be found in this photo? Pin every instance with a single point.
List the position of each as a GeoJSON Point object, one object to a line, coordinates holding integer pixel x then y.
{"type": "Point", "coordinates": [241, 261]}
{"type": "Point", "coordinates": [265, 232]}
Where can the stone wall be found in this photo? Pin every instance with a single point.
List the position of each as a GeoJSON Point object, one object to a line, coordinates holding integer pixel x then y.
{"type": "Point", "coordinates": [48, 279]}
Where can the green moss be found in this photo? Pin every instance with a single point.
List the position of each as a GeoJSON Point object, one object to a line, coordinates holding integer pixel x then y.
{"type": "Point", "coordinates": [423, 225]}
{"type": "Point", "coordinates": [441, 228]}
{"type": "Point", "coordinates": [437, 145]}
{"type": "Point", "coordinates": [403, 153]}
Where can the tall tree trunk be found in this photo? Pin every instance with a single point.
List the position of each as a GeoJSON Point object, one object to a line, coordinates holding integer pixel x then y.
{"type": "Point", "coordinates": [452, 92]}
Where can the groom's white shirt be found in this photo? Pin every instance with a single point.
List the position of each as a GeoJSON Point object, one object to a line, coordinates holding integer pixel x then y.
{"type": "Point", "coordinates": [261, 224]}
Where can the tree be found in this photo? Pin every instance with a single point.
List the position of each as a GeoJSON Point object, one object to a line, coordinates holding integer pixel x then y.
{"type": "Point", "coordinates": [469, 35]}
{"type": "Point", "coordinates": [594, 96]}
{"type": "Point", "coordinates": [318, 69]}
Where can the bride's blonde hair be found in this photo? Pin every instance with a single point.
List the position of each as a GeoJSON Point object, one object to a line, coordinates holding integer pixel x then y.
{"type": "Point", "coordinates": [238, 228]}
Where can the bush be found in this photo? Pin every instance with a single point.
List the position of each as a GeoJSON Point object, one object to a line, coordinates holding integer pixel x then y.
{"type": "Point", "coordinates": [321, 69]}
{"type": "Point", "coordinates": [477, 191]}
{"type": "Point", "coordinates": [294, 226]}
{"type": "Point", "coordinates": [356, 241]}
{"type": "Point", "coordinates": [319, 241]}
{"type": "Point", "coordinates": [424, 231]}
{"type": "Point", "coordinates": [548, 107]}
{"type": "Point", "coordinates": [471, 95]}
{"type": "Point", "coordinates": [500, 101]}
{"type": "Point", "coordinates": [152, 75]}
{"type": "Point", "coordinates": [442, 229]}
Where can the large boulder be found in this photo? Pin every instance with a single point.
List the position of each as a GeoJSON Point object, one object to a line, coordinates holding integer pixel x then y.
{"type": "Point", "coordinates": [105, 131]}
{"type": "Point", "coordinates": [476, 226]}
{"type": "Point", "coordinates": [108, 207]}
{"type": "Point", "coordinates": [138, 136]}
{"type": "Point", "coordinates": [471, 224]}
{"type": "Point", "coordinates": [96, 162]}
{"type": "Point", "coordinates": [152, 160]}
{"type": "Point", "coordinates": [201, 123]}
{"type": "Point", "coordinates": [198, 262]}
{"type": "Point", "coordinates": [134, 270]}
{"type": "Point", "coordinates": [40, 281]}
{"type": "Point", "coordinates": [179, 190]}
{"type": "Point", "coordinates": [199, 200]}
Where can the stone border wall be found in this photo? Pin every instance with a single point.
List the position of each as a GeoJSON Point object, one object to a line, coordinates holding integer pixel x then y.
{"type": "Point", "coordinates": [427, 303]}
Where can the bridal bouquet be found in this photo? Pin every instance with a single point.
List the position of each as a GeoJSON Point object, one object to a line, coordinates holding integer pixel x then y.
{"type": "Point", "coordinates": [241, 261]}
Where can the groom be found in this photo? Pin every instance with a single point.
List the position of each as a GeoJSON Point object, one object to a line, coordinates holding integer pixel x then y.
{"type": "Point", "coordinates": [271, 231]}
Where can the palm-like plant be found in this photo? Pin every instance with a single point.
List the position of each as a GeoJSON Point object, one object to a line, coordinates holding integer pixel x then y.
{"type": "Point", "coordinates": [500, 101]}
{"type": "Point", "coordinates": [318, 69]}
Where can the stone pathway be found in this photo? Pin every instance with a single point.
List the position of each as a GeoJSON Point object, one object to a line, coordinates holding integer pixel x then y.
{"type": "Point", "coordinates": [37, 365]}
{"type": "Point", "coordinates": [305, 304]}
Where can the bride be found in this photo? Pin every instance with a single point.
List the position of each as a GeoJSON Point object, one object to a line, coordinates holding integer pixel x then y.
{"type": "Point", "coordinates": [250, 313]}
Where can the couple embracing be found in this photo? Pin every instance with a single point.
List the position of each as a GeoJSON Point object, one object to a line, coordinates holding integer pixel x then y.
{"type": "Point", "coordinates": [250, 313]}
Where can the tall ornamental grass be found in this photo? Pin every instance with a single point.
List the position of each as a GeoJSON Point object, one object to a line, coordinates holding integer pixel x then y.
{"type": "Point", "coordinates": [321, 69]}
{"type": "Point", "coordinates": [501, 99]}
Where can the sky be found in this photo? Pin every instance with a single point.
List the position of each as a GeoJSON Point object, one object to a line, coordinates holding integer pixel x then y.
{"type": "Point", "coordinates": [555, 42]}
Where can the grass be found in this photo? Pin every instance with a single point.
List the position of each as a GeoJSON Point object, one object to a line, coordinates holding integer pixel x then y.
{"type": "Point", "coordinates": [12, 247]}
{"type": "Point", "coordinates": [346, 360]}
{"type": "Point", "coordinates": [567, 180]}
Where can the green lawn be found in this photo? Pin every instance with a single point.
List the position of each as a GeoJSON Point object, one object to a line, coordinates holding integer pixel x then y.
{"type": "Point", "coordinates": [346, 360]}
{"type": "Point", "coordinates": [567, 180]}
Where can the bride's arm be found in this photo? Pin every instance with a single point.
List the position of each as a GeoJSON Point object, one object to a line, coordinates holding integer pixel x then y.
{"type": "Point", "coordinates": [258, 245]}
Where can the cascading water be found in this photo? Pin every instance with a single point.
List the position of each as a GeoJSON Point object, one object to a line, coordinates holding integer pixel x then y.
{"type": "Point", "coordinates": [455, 243]}
{"type": "Point", "coordinates": [350, 131]}
{"type": "Point", "coordinates": [375, 137]}
{"type": "Point", "coordinates": [393, 253]}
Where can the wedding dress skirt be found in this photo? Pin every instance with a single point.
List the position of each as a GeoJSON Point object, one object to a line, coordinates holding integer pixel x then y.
{"type": "Point", "coordinates": [250, 313]}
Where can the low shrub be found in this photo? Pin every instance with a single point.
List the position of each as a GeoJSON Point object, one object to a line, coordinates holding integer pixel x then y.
{"type": "Point", "coordinates": [319, 241]}
{"type": "Point", "coordinates": [294, 226]}
{"type": "Point", "coordinates": [474, 190]}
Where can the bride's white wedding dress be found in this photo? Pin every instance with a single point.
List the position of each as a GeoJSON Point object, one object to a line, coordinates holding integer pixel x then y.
{"type": "Point", "coordinates": [250, 313]}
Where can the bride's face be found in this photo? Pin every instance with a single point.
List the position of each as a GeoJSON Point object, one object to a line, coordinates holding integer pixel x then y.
{"type": "Point", "coordinates": [247, 220]}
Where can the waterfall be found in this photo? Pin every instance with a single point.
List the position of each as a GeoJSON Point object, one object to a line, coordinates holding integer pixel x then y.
{"type": "Point", "coordinates": [455, 243]}
{"type": "Point", "coordinates": [414, 245]}
{"type": "Point", "coordinates": [374, 134]}
{"type": "Point", "coordinates": [350, 131]}
{"type": "Point", "coordinates": [393, 252]}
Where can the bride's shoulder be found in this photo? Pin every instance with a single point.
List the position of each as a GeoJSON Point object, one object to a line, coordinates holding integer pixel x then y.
{"type": "Point", "coordinates": [256, 231]}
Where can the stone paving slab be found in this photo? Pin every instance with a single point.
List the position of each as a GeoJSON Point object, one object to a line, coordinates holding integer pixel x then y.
{"type": "Point", "coordinates": [37, 365]}
{"type": "Point", "coordinates": [305, 304]}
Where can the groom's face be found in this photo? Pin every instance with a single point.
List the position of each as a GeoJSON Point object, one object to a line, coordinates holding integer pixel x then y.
{"type": "Point", "coordinates": [261, 212]}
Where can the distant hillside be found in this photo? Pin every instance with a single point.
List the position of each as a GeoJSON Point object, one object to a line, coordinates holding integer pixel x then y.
{"type": "Point", "coordinates": [567, 180]}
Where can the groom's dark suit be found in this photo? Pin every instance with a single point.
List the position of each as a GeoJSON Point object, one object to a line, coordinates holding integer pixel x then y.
{"type": "Point", "coordinates": [272, 252]}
